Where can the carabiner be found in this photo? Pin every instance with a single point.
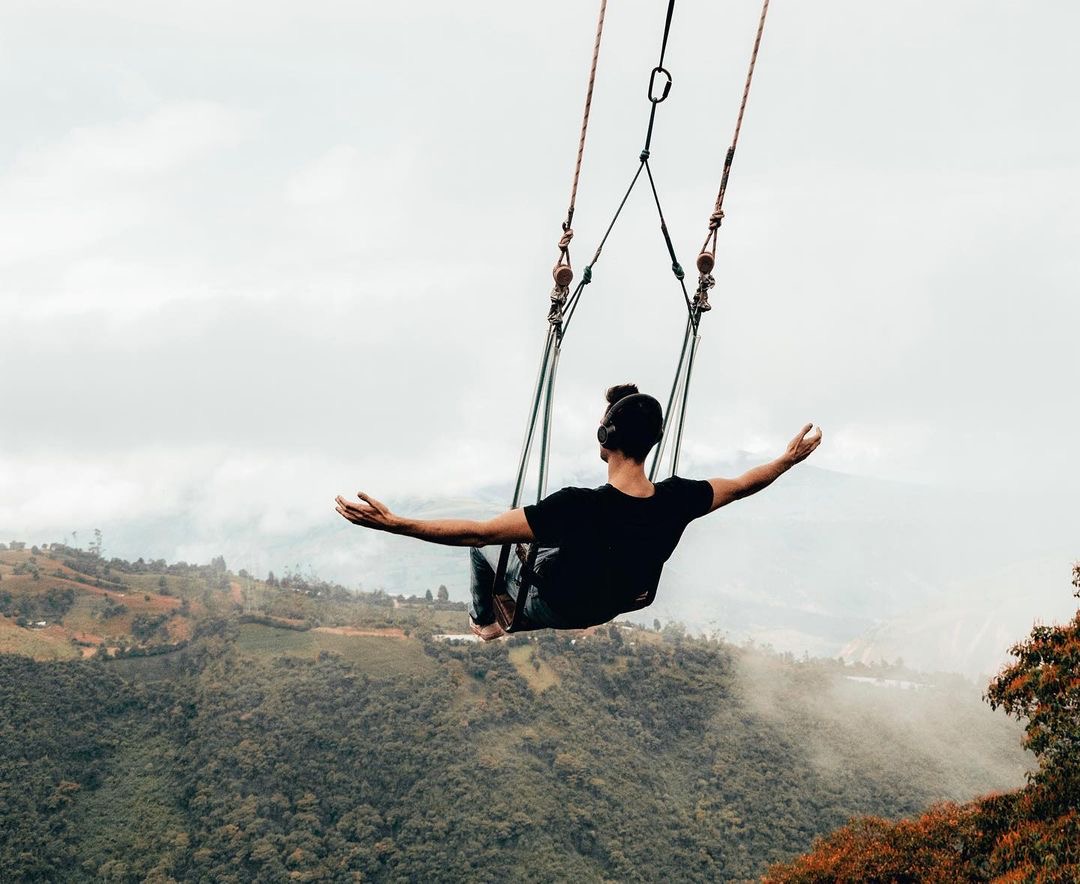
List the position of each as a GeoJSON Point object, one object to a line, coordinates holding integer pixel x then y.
{"type": "Point", "coordinates": [652, 84]}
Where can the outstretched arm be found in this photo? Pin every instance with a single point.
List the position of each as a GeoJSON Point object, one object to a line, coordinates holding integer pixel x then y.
{"type": "Point", "coordinates": [752, 481]}
{"type": "Point", "coordinates": [367, 512]}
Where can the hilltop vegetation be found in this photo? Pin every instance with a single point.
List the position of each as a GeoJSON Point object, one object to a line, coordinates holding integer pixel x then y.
{"type": "Point", "coordinates": [60, 603]}
{"type": "Point", "coordinates": [275, 732]}
{"type": "Point", "coordinates": [1032, 834]}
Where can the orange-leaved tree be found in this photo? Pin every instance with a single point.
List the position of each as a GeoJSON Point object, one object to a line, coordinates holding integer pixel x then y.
{"type": "Point", "coordinates": [1032, 834]}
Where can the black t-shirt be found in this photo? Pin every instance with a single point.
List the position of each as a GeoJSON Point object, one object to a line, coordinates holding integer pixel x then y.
{"type": "Point", "coordinates": [612, 547]}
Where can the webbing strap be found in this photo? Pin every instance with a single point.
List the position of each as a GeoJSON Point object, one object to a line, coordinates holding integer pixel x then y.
{"type": "Point", "coordinates": [586, 277]}
{"type": "Point", "coordinates": [676, 267]}
{"type": "Point", "coordinates": [523, 589]}
{"type": "Point", "coordinates": [659, 69]}
{"type": "Point", "coordinates": [526, 448]}
{"type": "Point", "coordinates": [539, 412]}
{"type": "Point", "coordinates": [643, 165]}
{"type": "Point", "coordinates": [672, 407]}
{"type": "Point", "coordinates": [682, 409]}
{"type": "Point", "coordinates": [545, 432]}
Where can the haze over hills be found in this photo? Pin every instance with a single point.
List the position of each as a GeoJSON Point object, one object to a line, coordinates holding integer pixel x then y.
{"type": "Point", "coordinates": [823, 563]}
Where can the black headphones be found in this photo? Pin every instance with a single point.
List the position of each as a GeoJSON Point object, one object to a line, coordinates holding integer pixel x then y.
{"type": "Point", "coordinates": [608, 432]}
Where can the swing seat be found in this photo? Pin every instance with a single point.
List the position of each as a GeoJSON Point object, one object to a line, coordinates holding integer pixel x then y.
{"type": "Point", "coordinates": [505, 610]}
{"type": "Point", "coordinates": [511, 616]}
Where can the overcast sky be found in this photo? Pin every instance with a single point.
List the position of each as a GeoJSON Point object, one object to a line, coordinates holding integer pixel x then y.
{"type": "Point", "coordinates": [254, 254]}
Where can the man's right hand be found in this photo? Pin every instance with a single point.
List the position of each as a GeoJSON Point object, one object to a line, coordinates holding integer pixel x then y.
{"type": "Point", "coordinates": [802, 446]}
{"type": "Point", "coordinates": [367, 512]}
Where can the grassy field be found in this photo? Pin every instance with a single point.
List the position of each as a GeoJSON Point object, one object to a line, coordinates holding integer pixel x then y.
{"type": "Point", "coordinates": [535, 671]}
{"type": "Point", "coordinates": [41, 644]}
{"type": "Point", "coordinates": [377, 655]}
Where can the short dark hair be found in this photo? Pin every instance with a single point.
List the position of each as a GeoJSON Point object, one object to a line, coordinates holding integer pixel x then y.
{"type": "Point", "coordinates": [640, 422]}
{"type": "Point", "coordinates": [620, 391]}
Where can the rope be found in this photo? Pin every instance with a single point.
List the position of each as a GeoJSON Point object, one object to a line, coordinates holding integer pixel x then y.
{"type": "Point", "coordinates": [588, 108]}
{"type": "Point", "coordinates": [568, 231]}
{"type": "Point", "coordinates": [717, 216]}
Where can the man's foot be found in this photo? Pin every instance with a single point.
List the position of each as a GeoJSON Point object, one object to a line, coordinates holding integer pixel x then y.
{"type": "Point", "coordinates": [486, 633]}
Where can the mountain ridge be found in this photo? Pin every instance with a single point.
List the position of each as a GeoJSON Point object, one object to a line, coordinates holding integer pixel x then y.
{"type": "Point", "coordinates": [823, 562]}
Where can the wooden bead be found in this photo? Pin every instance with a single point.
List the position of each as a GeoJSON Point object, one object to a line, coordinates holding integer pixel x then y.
{"type": "Point", "coordinates": [705, 262]}
{"type": "Point", "coordinates": [563, 274]}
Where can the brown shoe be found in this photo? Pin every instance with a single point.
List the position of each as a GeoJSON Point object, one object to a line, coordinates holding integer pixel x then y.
{"type": "Point", "coordinates": [486, 633]}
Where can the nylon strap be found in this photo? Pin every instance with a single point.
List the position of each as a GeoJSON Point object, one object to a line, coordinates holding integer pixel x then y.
{"type": "Point", "coordinates": [659, 69]}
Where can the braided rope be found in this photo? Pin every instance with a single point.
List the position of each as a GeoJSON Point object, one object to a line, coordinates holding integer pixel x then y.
{"type": "Point", "coordinates": [588, 108]}
{"type": "Point", "coordinates": [717, 216]}
{"type": "Point", "coordinates": [750, 73]}
{"type": "Point", "coordinates": [568, 232]}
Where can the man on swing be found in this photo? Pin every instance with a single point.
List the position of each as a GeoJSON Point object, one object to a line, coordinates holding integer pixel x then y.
{"type": "Point", "coordinates": [601, 550]}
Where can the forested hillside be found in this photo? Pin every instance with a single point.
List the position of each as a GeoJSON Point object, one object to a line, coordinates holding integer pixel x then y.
{"type": "Point", "coordinates": [300, 732]}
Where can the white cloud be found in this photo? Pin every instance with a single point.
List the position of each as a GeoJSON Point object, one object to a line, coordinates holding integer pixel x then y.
{"type": "Point", "coordinates": [129, 150]}
{"type": "Point", "coordinates": [98, 182]}
{"type": "Point", "coordinates": [45, 493]}
{"type": "Point", "coordinates": [337, 176]}
{"type": "Point", "coordinates": [211, 490]}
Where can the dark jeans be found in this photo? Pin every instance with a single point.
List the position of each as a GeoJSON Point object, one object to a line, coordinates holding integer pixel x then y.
{"type": "Point", "coordinates": [483, 563]}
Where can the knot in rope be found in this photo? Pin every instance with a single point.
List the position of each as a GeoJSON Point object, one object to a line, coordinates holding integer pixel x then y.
{"type": "Point", "coordinates": [644, 155]}
{"type": "Point", "coordinates": [715, 219]}
{"type": "Point", "coordinates": [564, 241]}
{"type": "Point", "coordinates": [676, 268]}
{"type": "Point", "coordinates": [586, 276]}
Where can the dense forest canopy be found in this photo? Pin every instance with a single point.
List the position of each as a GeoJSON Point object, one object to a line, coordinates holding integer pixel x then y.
{"type": "Point", "coordinates": [291, 730]}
